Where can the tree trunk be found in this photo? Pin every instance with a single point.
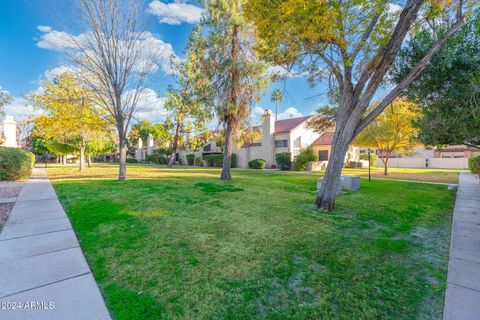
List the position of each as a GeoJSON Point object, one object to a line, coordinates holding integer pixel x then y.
{"type": "Point", "coordinates": [82, 158]}
{"type": "Point", "coordinates": [89, 161]}
{"type": "Point", "coordinates": [175, 145]}
{"type": "Point", "coordinates": [64, 159]}
{"type": "Point", "coordinates": [122, 163]}
{"type": "Point", "coordinates": [385, 166]}
{"type": "Point", "coordinates": [227, 153]}
{"type": "Point", "coordinates": [328, 191]}
{"type": "Point", "coordinates": [344, 134]}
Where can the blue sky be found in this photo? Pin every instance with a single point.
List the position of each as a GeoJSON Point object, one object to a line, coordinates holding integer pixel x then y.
{"type": "Point", "coordinates": [30, 51]}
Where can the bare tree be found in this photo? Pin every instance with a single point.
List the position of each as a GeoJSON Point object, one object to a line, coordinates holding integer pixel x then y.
{"type": "Point", "coordinates": [113, 61]}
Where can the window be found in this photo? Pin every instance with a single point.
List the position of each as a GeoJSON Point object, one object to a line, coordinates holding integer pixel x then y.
{"type": "Point", "coordinates": [323, 155]}
{"type": "Point", "coordinates": [281, 143]}
{"type": "Point", "coordinates": [208, 147]}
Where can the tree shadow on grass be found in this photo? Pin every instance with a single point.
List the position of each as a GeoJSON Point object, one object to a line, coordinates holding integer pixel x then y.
{"type": "Point", "coordinates": [209, 187]}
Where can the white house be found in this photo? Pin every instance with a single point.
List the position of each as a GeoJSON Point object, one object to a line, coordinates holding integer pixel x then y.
{"type": "Point", "coordinates": [289, 135]}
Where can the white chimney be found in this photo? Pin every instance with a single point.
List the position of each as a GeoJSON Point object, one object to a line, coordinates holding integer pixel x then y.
{"type": "Point", "coordinates": [268, 129]}
{"type": "Point", "coordinates": [139, 153]}
{"type": "Point", "coordinates": [10, 132]}
{"type": "Point", "coordinates": [150, 144]}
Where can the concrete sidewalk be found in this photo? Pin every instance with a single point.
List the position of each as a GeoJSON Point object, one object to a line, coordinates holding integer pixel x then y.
{"type": "Point", "coordinates": [44, 274]}
{"type": "Point", "coordinates": [462, 297]}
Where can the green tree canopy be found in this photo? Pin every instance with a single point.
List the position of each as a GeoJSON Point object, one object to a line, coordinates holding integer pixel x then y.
{"type": "Point", "coordinates": [448, 92]}
{"type": "Point", "coordinates": [69, 115]}
{"type": "Point", "coordinates": [143, 128]}
{"type": "Point", "coordinates": [235, 74]}
{"type": "Point", "coordinates": [392, 131]}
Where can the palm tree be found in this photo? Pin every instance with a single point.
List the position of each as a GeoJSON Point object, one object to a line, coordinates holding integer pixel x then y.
{"type": "Point", "coordinates": [276, 97]}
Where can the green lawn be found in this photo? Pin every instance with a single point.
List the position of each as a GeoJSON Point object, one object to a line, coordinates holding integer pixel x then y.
{"type": "Point", "coordinates": [180, 244]}
{"type": "Point", "coordinates": [418, 174]}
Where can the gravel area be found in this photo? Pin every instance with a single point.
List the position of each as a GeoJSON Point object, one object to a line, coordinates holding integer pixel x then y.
{"type": "Point", "coordinates": [8, 191]}
{"type": "Point", "coordinates": [5, 209]}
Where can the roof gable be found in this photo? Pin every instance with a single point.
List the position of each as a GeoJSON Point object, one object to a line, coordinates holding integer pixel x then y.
{"type": "Point", "coordinates": [325, 139]}
{"type": "Point", "coordinates": [287, 125]}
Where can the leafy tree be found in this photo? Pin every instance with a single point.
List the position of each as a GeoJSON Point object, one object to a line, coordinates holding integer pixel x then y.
{"type": "Point", "coordinates": [448, 92]}
{"type": "Point", "coordinates": [185, 100]}
{"type": "Point", "coordinates": [276, 97]}
{"type": "Point", "coordinates": [69, 117]}
{"type": "Point", "coordinates": [234, 73]}
{"type": "Point", "coordinates": [38, 145]}
{"type": "Point", "coordinates": [392, 131]}
{"type": "Point", "coordinates": [143, 128]}
{"type": "Point", "coordinates": [5, 98]}
{"type": "Point", "coordinates": [352, 45]}
{"type": "Point", "coordinates": [249, 135]}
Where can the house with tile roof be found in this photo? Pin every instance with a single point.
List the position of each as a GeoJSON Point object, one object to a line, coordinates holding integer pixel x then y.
{"type": "Point", "coordinates": [289, 135]}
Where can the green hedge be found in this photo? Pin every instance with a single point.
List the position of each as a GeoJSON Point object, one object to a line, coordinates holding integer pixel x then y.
{"type": "Point", "coordinates": [257, 164]}
{"type": "Point", "coordinates": [474, 164]}
{"type": "Point", "coordinates": [216, 160]}
{"type": "Point", "coordinates": [156, 158]}
{"type": "Point", "coordinates": [301, 161]}
{"type": "Point", "coordinates": [15, 164]}
{"type": "Point", "coordinates": [198, 162]}
{"type": "Point", "coordinates": [132, 160]}
{"type": "Point", "coordinates": [284, 160]}
{"type": "Point", "coordinates": [373, 158]}
{"type": "Point", "coordinates": [190, 159]}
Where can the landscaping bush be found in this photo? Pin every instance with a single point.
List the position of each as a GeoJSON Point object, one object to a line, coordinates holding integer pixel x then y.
{"type": "Point", "coordinates": [355, 164]}
{"type": "Point", "coordinates": [198, 162]}
{"type": "Point", "coordinates": [257, 164]}
{"type": "Point", "coordinates": [216, 160]}
{"type": "Point", "coordinates": [156, 158]}
{"type": "Point", "coordinates": [284, 160]}
{"type": "Point", "coordinates": [132, 160]}
{"type": "Point", "coordinates": [15, 163]}
{"type": "Point", "coordinates": [300, 162]}
{"type": "Point", "coordinates": [474, 165]}
{"type": "Point", "coordinates": [373, 158]}
{"type": "Point", "coordinates": [164, 151]}
{"type": "Point", "coordinates": [190, 159]}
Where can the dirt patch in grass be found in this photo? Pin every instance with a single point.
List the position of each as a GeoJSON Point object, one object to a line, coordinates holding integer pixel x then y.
{"type": "Point", "coordinates": [216, 188]}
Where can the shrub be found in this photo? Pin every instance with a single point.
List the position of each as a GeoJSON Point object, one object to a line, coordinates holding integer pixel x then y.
{"type": "Point", "coordinates": [257, 164]}
{"type": "Point", "coordinates": [373, 158]}
{"type": "Point", "coordinates": [355, 164]}
{"type": "Point", "coordinates": [284, 160]}
{"type": "Point", "coordinates": [474, 164]}
{"type": "Point", "coordinates": [216, 160]}
{"type": "Point", "coordinates": [190, 159]}
{"type": "Point", "coordinates": [300, 162]}
{"type": "Point", "coordinates": [198, 162]}
{"type": "Point", "coordinates": [15, 163]}
{"type": "Point", "coordinates": [234, 161]}
{"type": "Point", "coordinates": [156, 158]}
{"type": "Point", "coordinates": [132, 160]}
{"type": "Point", "coordinates": [164, 151]}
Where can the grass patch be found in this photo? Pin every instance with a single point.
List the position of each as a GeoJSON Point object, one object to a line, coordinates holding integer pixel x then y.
{"type": "Point", "coordinates": [416, 174]}
{"type": "Point", "coordinates": [180, 244]}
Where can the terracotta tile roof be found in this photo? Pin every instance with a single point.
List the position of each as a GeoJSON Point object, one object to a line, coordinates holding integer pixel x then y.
{"type": "Point", "coordinates": [287, 125]}
{"type": "Point", "coordinates": [254, 144]}
{"type": "Point", "coordinates": [324, 140]}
